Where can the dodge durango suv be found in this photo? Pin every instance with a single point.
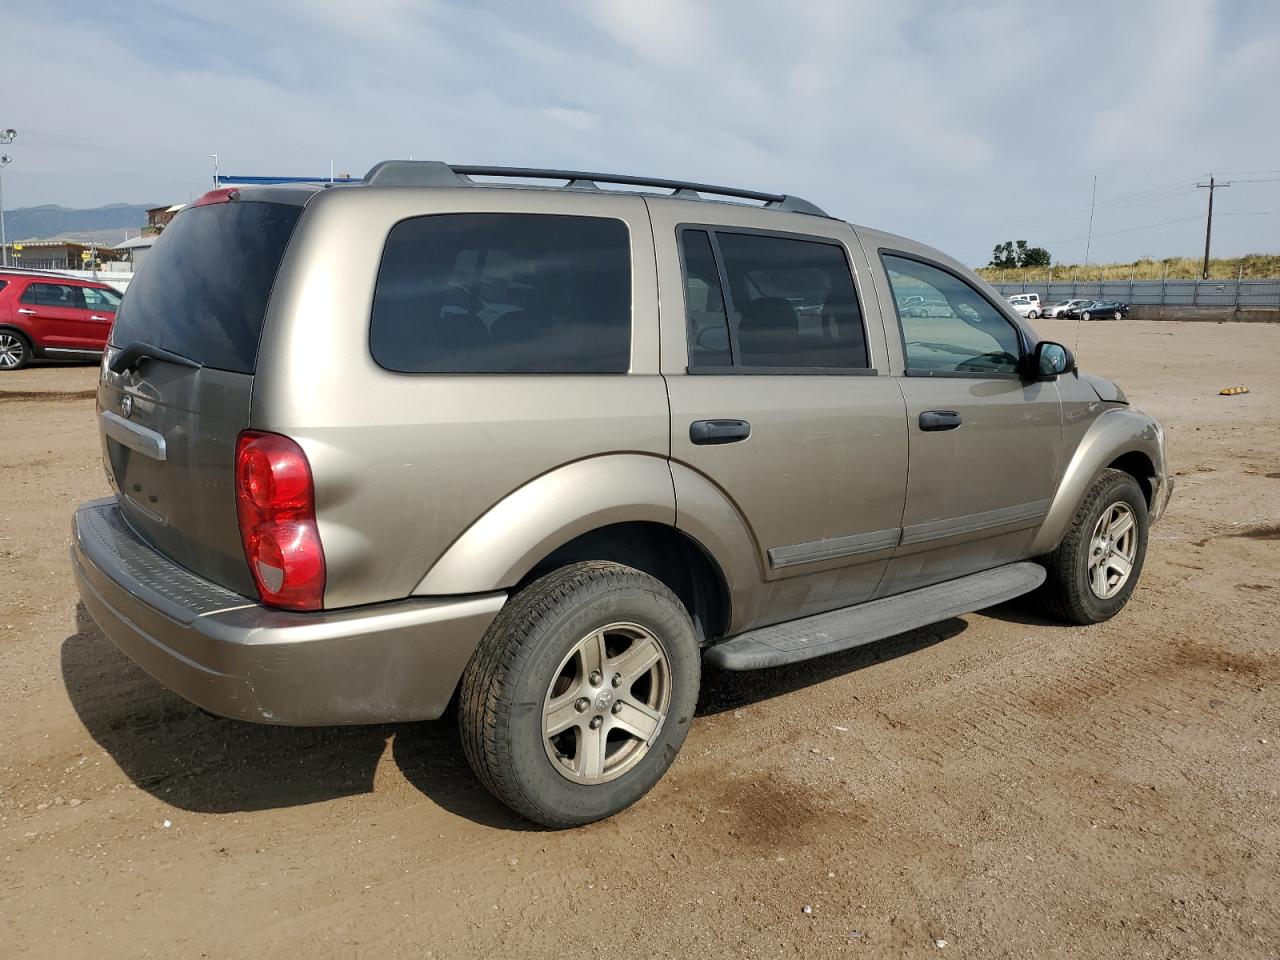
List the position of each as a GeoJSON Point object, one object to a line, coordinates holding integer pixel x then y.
{"type": "Point", "coordinates": [546, 451]}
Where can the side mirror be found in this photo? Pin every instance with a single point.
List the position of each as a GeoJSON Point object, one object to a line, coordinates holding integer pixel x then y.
{"type": "Point", "coordinates": [1050, 359]}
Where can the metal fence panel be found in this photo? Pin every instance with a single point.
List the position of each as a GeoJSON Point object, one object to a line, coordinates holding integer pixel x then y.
{"type": "Point", "coordinates": [1166, 293]}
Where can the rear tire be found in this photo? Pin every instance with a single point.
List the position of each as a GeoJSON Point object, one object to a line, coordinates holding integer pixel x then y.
{"type": "Point", "coordinates": [1095, 568]}
{"type": "Point", "coordinates": [15, 350]}
{"type": "Point", "coordinates": [1086, 316]}
{"type": "Point", "coordinates": [554, 659]}
{"type": "Point", "coordinates": [1033, 315]}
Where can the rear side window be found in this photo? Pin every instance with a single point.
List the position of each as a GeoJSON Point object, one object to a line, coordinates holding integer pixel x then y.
{"type": "Point", "coordinates": [792, 304]}
{"type": "Point", "coordinates": [504, 293]}
{"type": "Point", "coordinates": [203, 290]}
{"type": "Point", "coordinates": [53, 295]}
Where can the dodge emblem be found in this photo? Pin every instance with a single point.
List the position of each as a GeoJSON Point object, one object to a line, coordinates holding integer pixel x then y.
{"type": "Point", "coordinates": [126, 406]}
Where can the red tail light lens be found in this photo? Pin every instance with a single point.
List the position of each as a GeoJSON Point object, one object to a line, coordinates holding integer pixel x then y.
{"type": "Point", "coordinates": [276, 505]}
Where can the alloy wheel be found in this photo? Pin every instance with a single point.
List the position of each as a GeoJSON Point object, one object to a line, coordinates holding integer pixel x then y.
{"type": "Point", "coordinates": [607, 703]}
{"type": "Point", "coordinates": [12, 351]}
{"type": "Point", "coordinates": [1112, 549]}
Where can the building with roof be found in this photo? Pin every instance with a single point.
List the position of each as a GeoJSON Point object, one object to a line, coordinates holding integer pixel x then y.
{"type": "Point", "coordinates": [58, 253]}
{"type": "Point", "coordinates": [159, 217]}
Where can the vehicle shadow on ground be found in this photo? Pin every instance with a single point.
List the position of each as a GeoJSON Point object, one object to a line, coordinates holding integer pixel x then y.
{"type": "Point", "coordinates": [206, 764]}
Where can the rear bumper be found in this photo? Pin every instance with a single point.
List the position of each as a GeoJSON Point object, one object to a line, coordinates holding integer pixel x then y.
{"type": "Point", "coordinates": [385, 662]}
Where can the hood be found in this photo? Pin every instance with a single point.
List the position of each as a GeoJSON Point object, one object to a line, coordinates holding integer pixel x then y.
{"type": "Point", "coordinates": [1104, 388]}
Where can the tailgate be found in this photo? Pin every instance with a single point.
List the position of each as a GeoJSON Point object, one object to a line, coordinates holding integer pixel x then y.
{"type": "Point", "coordinates": [186, 344]}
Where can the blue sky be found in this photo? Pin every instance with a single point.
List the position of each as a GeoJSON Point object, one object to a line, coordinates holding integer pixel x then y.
{"type": "Point", "coordinates": [959, 124]}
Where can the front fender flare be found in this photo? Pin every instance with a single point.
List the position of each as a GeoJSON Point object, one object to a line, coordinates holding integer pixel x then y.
{"type": "Point", "coordinates": [510, 538]}
{"type": "Point", "coordinates": [1115, 433]}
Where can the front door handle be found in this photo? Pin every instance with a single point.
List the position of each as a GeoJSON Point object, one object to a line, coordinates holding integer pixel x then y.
{"type": "Point", "coordinates": [708, 432]}
{"type": "Point", "coordinates": [94, 316]}
{"type": "Point", "coordinates": [25, 312]}
{"type": "Point", "coordinates": [939, 420]}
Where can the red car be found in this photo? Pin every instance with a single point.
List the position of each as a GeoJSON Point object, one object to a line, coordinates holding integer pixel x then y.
{"type": "Point", "coordinates": [52, 316]}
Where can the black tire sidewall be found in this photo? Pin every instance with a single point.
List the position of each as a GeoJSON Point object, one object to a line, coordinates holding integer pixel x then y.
{"type": "Point", "coordinates": [1120, 489]}
{"type": "Point", "coordinates": [631, 601]}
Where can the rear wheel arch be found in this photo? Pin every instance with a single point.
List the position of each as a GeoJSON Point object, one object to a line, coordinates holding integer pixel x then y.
{"type": "Point", "coordinates": [668, 555]}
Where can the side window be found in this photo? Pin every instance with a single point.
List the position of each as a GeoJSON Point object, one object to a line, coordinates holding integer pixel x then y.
{"type": "Point", "coordinates": [792, 304]}
{"type": "Point", "coordinates": [947, 326]}
{"type": "Point", "coordinates": [96, 299]}
{"type": "Point", "coordinates": [53, 295]}
{"type": "Point", "coordinates": [704, 303]}
{"type": "Point", "coordinates": [504, 293]}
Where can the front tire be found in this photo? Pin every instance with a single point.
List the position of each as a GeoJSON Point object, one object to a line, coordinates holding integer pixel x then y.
{"type": "Point", "coordinates": [1033, 315]}
{"type": "Point", "coordinates": [1095, 568]}
{"type": "Point", "coordinates": [15, 351]}
{"type": "Point", "coordinates": [1116, 315]}
{"type": "Point", "coordinates": [580, 694]}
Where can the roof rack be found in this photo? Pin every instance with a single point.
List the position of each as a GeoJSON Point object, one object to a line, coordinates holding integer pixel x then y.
{"type": "Point", "coordinates": [435, 173]}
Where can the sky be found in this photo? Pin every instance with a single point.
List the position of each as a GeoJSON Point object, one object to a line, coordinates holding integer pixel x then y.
{"type": "Point", "coordinates": [957, 124]}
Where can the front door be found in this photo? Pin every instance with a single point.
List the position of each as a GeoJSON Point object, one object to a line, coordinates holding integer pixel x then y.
{"type": "Point", "coordinates": [775, 400]}
{"type": "Point", "coordinates": [984, 442]}
{"type": "Point", "coordinates": [57, 311]}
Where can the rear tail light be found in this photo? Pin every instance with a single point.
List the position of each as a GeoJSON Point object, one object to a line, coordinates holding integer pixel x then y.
{"type": "Point", "coordinates": [276, 505]}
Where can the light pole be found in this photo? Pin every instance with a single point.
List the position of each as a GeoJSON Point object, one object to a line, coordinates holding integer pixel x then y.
{"type": "Point", "coordinates": [7, 135]}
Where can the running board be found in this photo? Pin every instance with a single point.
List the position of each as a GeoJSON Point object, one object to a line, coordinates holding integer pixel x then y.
{"type": "Point", "coordinates": [849, 627]}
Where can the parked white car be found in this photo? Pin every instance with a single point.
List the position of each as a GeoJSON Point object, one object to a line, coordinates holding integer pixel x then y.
{"type": "Point", "coordinates": [1059, 310]}
{"type": "Point", "coordinates": [1027, 305]}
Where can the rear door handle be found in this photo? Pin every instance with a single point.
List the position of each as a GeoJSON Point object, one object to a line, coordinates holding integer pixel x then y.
{"type": "Point", "coordinates": [708, 432]}
{"type": "Point", "coordinates": [25, 312]}
{"type": "Point", "coordinates": [94, 316]}
{"type": "Point", "coordinates": [939, 420]}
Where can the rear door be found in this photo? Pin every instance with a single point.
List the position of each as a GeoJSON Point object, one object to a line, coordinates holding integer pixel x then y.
{"type": "Point", "coordinates": [777, 401]}
{"type": "Point", "coordinates": [984, 442]}
{"type": "Point", "coordinates": [169, 426]}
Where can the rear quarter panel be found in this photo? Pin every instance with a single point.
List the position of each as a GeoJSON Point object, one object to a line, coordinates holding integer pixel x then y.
{"type": "Point", "coordinates": [405, 464]}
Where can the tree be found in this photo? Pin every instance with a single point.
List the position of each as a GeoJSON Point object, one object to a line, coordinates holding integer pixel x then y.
{"type": "Point", "coordinates": [1011, 255]}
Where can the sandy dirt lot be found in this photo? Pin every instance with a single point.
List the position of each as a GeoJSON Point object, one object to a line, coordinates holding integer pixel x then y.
{"type": "Point", "coordinates": [998, 782]}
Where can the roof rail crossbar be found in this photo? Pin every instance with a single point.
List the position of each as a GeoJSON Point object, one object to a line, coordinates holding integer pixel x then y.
{"type": "Point", "coordinates": [433, 173]}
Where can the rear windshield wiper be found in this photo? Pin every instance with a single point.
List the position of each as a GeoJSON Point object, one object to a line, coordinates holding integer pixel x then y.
{"type": "Point", "coordinates": [131, 353]}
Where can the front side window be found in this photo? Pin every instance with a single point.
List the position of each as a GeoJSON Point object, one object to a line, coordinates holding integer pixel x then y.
{"type": "Point", "coordinates": [504, 293]}
{"type": "Point", "coordinates": [96, 299]}
{"type": "Point", "coordinates": [792, 304]}
{"type": "Point", "coordinates": [53, 295]}
{"type": "Point", "coordinates": [947, 325]}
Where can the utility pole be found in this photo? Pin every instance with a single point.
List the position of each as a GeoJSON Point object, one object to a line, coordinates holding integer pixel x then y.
{"type": "Point", "coordinates": [214, 158]}
{"type": "Point", "coordinates": [1092, 202]}
{"type": "Point", "coordinates": [6, 136]}
{"type": "Point", "coordinates": [1208, 224]}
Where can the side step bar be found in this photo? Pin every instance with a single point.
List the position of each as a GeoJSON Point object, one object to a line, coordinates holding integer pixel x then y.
{"type": "Point", "coordinates": [848, 627]}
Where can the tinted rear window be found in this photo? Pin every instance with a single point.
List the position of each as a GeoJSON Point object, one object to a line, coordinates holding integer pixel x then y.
{"type": "Point", "coordinates": [203, 290]}
{"type": "Point", "coordinates": [504, 293]}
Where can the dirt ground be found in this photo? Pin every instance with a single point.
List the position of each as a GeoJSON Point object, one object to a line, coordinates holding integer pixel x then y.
{"type": "Point", "coordinates": [995, 786]}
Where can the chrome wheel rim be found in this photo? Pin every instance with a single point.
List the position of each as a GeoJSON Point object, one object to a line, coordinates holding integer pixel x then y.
{"type": "Point", "coordinates": [607, 703]}
{"type": "Point", "coordinates": [11, 351]}
{"type": "Point", "coordinates": [1112, 549]}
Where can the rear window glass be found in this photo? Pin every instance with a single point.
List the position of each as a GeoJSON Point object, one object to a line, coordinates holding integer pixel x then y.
{"type": "Point", "coordinates": [62, 295]}
{"type": "Point", "coordinates": [203, 290]}
{"type": "Point", "coordinates": [504, 293]}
